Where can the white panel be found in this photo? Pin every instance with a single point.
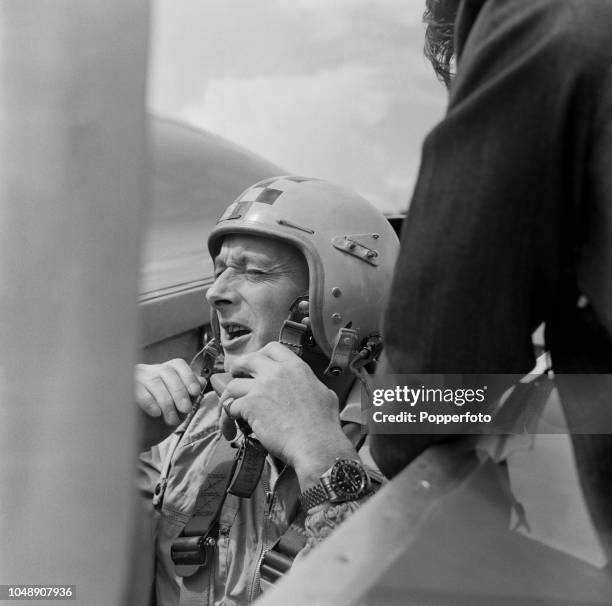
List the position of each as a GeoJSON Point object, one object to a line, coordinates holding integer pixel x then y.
{"type": "Point", "coordinates": [72, 86]}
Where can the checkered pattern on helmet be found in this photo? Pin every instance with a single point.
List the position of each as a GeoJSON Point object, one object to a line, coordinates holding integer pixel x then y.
{"type": "Point", "coordinates": [270, 190]}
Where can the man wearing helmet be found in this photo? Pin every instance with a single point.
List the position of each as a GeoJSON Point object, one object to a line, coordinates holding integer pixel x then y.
{"type": "Point", "coordinates": [305, 263]}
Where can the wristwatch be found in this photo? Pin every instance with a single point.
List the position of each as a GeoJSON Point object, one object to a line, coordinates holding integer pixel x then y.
{"type": "Point", "coordinates": [345, 480]}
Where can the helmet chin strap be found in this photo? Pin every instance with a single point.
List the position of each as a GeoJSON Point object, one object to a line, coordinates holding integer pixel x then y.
{"type": "Point", "coordinates": [345, 348]}
{"type": "Point", "coordinates": [214, 324]}
{"type": "Point", "coordinates": [370, 351]}
{"type": "Point", "coordinates": [348, 352]}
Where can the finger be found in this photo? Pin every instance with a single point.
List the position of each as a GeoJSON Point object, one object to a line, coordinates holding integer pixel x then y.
{"type": "Point", "coordinates": [228, 427]}
{"type": "Point", "coordinates": [237, 409]}
{"type": "Point", "coordinates": [227, 407]}
{"type": "Point", "coordinates": [263, 361]}
{"type": "Point", "coordinates": [236, 388]}
{"type": "Point", "coordinates": [239, 413]}
{"type": "Point", "coordinates": [252, 364]}
{"type": "Point", "coordinates": [278, 352]}
{"type": "Point", "coordinates": [219, 381]}
{"type": "Point", "coordinates": [176, 388]}
{"type": "Point", "coordinates": [158, 390]}
{"type": "Point", "coordinates": [187, 376]}
{"type": "Point", "coordinates": [146, 401]}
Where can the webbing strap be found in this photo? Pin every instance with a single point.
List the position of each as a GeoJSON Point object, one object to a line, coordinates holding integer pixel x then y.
{"type": "Point", "coordinates": [251, 456]}
{"type": "Point", "coordinates": [190, 549]}
{"type": "Point", "coordinates": [279, 559]}
{"type": "Point", "coordinates": [198, 539]}
{"type": "Point", "coordinates": [200, 532]}
{"type": "Point", "coordinates": [249, 467]}
{"type": "Point", "coordinates": [198, 586]}
{"type": "Point", "coordinates": [292, 336]}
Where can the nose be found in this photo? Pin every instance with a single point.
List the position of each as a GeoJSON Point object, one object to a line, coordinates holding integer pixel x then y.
{"type": "Point", "coordinates": [220, 292]}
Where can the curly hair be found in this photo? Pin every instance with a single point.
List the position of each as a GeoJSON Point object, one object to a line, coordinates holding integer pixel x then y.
{"type": "Point", "coordinates": [439, 16]}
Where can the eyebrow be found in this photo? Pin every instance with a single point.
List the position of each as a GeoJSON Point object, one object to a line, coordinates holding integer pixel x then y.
{"type": "Point", "coordinates": [243, 257]}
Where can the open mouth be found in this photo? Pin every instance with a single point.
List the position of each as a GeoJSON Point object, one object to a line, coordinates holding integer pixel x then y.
{"type": "Point", "coordinates": [234, 331]}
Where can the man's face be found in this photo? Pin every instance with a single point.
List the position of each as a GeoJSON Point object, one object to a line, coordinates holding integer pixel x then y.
{"type": "Point", "coordinates": [256, 281]}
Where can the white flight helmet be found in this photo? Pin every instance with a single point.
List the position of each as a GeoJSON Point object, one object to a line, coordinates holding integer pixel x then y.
{"type": "Point", "coordinates": [348, 244]}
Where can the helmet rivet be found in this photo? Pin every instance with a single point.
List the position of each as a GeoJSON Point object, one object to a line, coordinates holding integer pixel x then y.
{"type": "Point", "coordinates": [376, 236]}
{"type": "Point", "coordinates": [336, 292]}
{"type": "Point", "coordinates": [371, 254]}
{"type": "Point", "coordinates": [336, 317]}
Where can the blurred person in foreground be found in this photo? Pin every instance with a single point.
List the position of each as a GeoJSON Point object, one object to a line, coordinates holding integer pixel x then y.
{"type": "Point", "coordinates": [301, 273]}
{"type": "Point", "coordinates": [510, 224]}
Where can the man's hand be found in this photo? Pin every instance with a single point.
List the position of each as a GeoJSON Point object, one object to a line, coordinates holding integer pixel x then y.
{"type": "Point", "coordinates": [166, 389]}
{"type": "Point", "coordinates": [292, 413]}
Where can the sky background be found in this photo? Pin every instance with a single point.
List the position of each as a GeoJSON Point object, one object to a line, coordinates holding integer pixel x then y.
{"type": "Point", "coordinates": [337, 89]}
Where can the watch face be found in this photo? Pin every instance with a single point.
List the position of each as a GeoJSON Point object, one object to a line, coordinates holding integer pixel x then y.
{"type": "Point", "coordinates": [348, 479]}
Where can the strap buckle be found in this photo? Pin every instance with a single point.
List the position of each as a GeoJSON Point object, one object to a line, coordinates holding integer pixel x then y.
{"type": "Point", "coordinates": [291, 336]}
{"type": "Point", "coordinates": [345, 347]}
{"type": "Point", "coordinates": [189, 553]}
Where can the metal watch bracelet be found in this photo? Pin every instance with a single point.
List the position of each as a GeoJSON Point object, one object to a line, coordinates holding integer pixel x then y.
{"type": "Point", "coordinates": [313, 496]}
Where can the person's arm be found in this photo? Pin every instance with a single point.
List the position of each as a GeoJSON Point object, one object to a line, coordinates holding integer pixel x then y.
{"type": "Point", "coordinates": [322, 519]}
{"type": "Point", "coordinates": [488, 243]}
{"type": "Point", "coordinates": [296, 417]}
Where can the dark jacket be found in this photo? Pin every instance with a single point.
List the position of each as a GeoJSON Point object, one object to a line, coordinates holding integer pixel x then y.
{"type": "Point", "coordinates": [513, 204]}
{"type": "Point", "coordinates": [511, 218]}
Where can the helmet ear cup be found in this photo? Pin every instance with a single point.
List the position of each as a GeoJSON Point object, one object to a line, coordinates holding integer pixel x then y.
{"type": "Point", "coordinates": [300, 312]}
{"type": "Point", "coordinates": [303, 317]}
{"type": "Point", "coordinates": [303, 311]}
